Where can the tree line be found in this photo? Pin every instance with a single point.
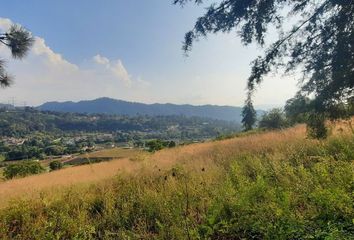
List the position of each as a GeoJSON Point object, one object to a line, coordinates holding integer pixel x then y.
{"type": "Point", "coordinates": [297, 110]}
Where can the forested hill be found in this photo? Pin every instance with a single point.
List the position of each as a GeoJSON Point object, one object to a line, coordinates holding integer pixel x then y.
{"type": "Point", "coordinates": [23, 122]}
{"type": "Point", "coordinates": [119, 107]}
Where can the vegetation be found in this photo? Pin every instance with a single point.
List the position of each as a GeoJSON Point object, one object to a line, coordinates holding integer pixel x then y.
{"type": "Point", "coordinates": [21, 122]}
{"type": "Point", "coordinates": [274, 119]}
{"type": "Point", "coordinates": [316, 126]}
{"type": "Point", "coordinates": [319, 44]}
{"type": "Point", "coordinates": [156, 145]}
{"type": "Point", "coordinates": [31, 134]}
{"type": "Point", "coordinates": [255, 185]}
{"type": "Point", "coordinates": [19, 41]}
{"type": "Point", "coordinates": [297, 109]}
{"type": "Point", "coordinates": [273, 185]}
{"type": "Point", "coordinates": [22, 169]}
{"type": "Point", "coordinates": [249, 115]}
{"type": "Point", "coordinates": [55, 165]}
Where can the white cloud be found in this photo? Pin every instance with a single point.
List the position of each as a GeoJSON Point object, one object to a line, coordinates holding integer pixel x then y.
{"type": "Point", "coordinates": [100, 60]}
{"type": "Point", "coordinates": [5, 23]}
{"type": "Point", "coordinates": [53, 59]}
{"type": "Point", "coordinates": [45, 75]}
{"type": "Point", "coordinates": [115, 67]}
{"type": "Point", "coordinates": [142, 82]}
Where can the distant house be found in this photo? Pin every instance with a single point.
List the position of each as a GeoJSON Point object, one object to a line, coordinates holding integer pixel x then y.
{"type": "Point", "coordinates": [86, 148]}
{"type": "Point", "coordinates": [13, 141]}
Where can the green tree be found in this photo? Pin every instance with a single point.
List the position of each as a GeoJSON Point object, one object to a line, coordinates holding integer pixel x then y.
{"type": "Point", "coordinates": [297, 109]}
{"type": "Point", "coordinates": [171, 144]}
{"type": "Point", "coordinates": [55, 165]}
{"type": "Point", "coordinates": [274, 119]}
{"type": "Point", "coordinates": [319, 44]}
{"type": "Point", "coordinates": [19, 41]}
{"type": "Point", "coordinates": [23, 169]}
{"type": "Point", "coordinates": [316, 126]}
{"type": "Point", "coordinates": [155, 145]}
{"type": "Point", "coordinates": [249, 115]}
{"type": "Point", "coordinates": [54, 150]}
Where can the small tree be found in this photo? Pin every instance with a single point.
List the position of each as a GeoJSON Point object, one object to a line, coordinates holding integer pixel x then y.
{"type": "Point", "coordinates": [171, 144]}
{"type": "Point", "coordinates": [274, 119]}
{"type": "Point", "coordinates": [23, 169]}
{"type": "Point", "coordinates": [155, 145]}
{"type": "Point", "coordinates": [296, 109]}
{"type": "Point", "coordinates": [316, 126]}
{"type": "Point", "coordinates": [249, 115]}
{"type": "Point", "coordinates": [55, 165]}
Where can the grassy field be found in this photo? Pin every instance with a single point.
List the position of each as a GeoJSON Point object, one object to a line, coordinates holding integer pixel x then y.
{"type": "Point", "coordinates": [273, 185]}
{"type": "Point", "coordinates": [32, 185]}
{"type": "Point", "coordinates": [113, 153]}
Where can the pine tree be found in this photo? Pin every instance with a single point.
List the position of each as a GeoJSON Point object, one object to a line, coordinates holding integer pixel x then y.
{"type": "Point", "coordinates": [19, 41]}
{"type": "Point", "coordinates": [249, 116]}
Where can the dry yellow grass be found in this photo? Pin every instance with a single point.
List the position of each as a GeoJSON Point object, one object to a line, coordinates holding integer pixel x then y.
{"type": "Point", "coordinates": [193, 157]}
{"type": "Point", "coordinates": [113, 152]}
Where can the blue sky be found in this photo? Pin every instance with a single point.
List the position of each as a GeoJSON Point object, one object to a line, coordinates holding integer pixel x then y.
{"type": "Point", "coordinates": [131, 50]}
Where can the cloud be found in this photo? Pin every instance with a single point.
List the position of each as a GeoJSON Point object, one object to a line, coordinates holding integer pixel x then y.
{"type": "Point", "coordinates": [142, 82]}
{"type": "Point", "coordinates": [115, 67]}
{"type": "Point", "coordinates": [100, 60]}
{"type": "Point", "coordinates": [45, 75]}
{"type": "Point", "coordinates": [50, 57]}
{"type": "Point", "coordinates": [5, 23]}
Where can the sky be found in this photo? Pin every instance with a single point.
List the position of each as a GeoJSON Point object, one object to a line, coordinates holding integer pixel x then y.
{"type": "Point", "coordinates": [129, 50]}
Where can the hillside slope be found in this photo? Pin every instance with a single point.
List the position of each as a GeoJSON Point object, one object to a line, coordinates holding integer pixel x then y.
{"type": "Point", "coordinates": [274, 185]}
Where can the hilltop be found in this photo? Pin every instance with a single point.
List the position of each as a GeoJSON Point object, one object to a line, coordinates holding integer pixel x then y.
{"type": "Point", "coordinates": [120, 107]}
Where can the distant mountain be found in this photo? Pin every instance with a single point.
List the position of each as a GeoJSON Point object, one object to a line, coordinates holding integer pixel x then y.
{"type": "Point", "coordinates": [7, 106]}
{"type": "Point", "coordinates": [119, 107]}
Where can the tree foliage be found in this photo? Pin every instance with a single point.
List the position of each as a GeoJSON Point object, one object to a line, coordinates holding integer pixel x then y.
{"type": "Point", "coordinates": [316, 126]}
{"type": "Point", "coordinates": [23, 169]}
{"type": "Point", "coordinates": [319, 44]}
{"type": "Point", "coordinates": [19, 41]}
{"type": "Point", "coordinates": [274, 119]}
{"type": "Point", "coordinates": [249, 115]}
{"type": "Point", "coordinates": [297, 108]}
{"type": "Point", "coordinates": [55, 165]}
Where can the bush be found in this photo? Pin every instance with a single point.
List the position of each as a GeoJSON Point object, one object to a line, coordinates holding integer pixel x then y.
{"type": "Point", "coordinates": [316, 126]}
{"type": "Point", "coordinates": [23, 169]}
{"type": "Point", "coordinates": [55, 165]}
{"type": "Point", "coordinates": [274, 119]}
{"type": "Point", "coordinates": [171, 144]}
{"type": "Point", "coordinates": [54, 150]}
{"type": "Point", "coordinates": [155, 145]}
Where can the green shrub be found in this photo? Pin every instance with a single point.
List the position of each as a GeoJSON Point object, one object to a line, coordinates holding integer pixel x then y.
{"type": "Point", "coordinates": [22, 169]}
{"type": "Point", "coordinates": [155, 145]}
{"type": "Point", "coordinates": [55, 165]}
{"type": "Point", "coordinates": [274, 119]}
{"type": "Point", "coordinates": [316, 126]}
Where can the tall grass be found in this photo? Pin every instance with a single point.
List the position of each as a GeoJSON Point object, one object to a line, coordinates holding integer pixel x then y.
{"type": "Point", "coordinates": [275, 185]}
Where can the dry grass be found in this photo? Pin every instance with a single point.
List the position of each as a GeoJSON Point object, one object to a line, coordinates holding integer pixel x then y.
{"type": "Point", "coordinates": [32, 185]}
{"type": "Point", "coordinates": [192, 157]}
{"type": "Point", "coordinates": [271, 185]}
{"type": "Point", "coordinates": [113, 153]}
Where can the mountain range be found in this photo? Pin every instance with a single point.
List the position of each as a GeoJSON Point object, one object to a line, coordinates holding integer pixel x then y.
{"type": "Point", "coordinates": [120, 107]}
